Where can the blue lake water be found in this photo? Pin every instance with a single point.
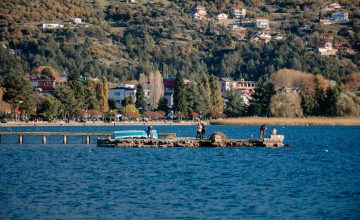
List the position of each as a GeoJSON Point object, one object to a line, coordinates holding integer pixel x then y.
{"type": "Point", "coordinates": [318, 177]}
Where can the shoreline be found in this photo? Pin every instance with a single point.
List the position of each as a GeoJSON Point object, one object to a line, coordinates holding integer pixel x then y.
{"type": "Point", "coordinates": [287, 121]}
{"type": "Point", "coordinates": [315, 121]}
{"type": "Point", "coordinates": [65, 124]}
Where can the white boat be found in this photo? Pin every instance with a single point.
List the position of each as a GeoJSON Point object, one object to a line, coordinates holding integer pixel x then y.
{"type": "Point", "coordinates": [141, 134]}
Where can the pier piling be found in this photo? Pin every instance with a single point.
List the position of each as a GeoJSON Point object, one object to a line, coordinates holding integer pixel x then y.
{"type": "Point", "coordinates": [20, 139]}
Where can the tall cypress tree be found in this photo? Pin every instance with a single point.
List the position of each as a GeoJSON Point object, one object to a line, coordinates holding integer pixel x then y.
{"type": "Point", "coordinates": [102, 94]}
{"type": "Point", "coordinates": [140, 99]}
{"type": "Point", "coordinates": [217, 105]}
{"type": "Point", "coordinates": [180, 104]}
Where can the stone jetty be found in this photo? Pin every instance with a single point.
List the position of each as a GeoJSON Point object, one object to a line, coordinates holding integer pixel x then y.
{"type": "Point", "coordinates": [217, 139]}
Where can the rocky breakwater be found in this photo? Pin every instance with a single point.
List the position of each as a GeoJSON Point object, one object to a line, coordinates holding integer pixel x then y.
{"type": "Point", "coordinates": [217, 139]}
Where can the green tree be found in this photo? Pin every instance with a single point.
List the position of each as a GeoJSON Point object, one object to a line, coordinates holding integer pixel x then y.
{"type": "Point", "coordinates": [234, 105]}
{"type": "Point", "coordinates": [91, 101]}
{"type": "Point", "coordinates": [307, 104]}
{"type": "Point", "coordinates": [217, 104]}
{"type": "Point", "coordinates": [261, 99]}
{"type": "Point", "coordinates": [70, 106]}
{"type": "Point", "coordinates": [102, 94]}
{"type": "Point", "coordinates": [112, 103]}
{"type": "Point", "coordinates": [332, 96]}
{"type": "Point", "coordinates": [18, 93]}
{"type": "Point", "coordinates": [128, 100]}
{"type": "Point", "coordinates": [163, 105]}
{"type": "Point", "coordinates": [180, 104]}
{"type": "Point", "coordinates": [52, 108]}
{"type": "Point", "coordinates": [140, 99]}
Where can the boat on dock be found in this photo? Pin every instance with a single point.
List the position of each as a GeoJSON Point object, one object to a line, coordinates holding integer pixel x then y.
{"type": "Point", "coordinates": [137, 134]}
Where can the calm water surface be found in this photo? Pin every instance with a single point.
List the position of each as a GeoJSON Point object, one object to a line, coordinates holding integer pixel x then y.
{"type": "Point", "coordinates": [318, 177]}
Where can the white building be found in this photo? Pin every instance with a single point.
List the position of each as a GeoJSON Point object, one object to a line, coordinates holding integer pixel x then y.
{"type": "Point", "coordinates": [120, 93]}
{"type": "Point", "coordinates": [77, 21]}
{"type": "Point", "coordinates": [244, 87]}
{"type": "Point", "coordinates": [199, 12]}
{"type": "Point", "coordinates": [238, 13]}
{"type": "Point", "coordinates": [48, 26]}
{"type": "Point", "coordinates": [262, 23]}
{"type": "Point", "coordinates": [340, 17]}
{"type": "Point", "coordinates": [222, 16]}
{"type": "Point", "coordinates": [326, 49]}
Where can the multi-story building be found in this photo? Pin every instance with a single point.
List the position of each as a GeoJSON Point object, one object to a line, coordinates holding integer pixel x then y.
{"type": "Point", "coordinates": [238, 13]}
{"type": "Point", "coordinates": [46, 80]}
{"type": "Point", "coordinates": [121, 92]}
{"type": "Point", "coordinates": [262, 23]}
{"type": "Point", "coordinates": [245, 87]}
{"type": "Point", "coordinates": [169, 84]}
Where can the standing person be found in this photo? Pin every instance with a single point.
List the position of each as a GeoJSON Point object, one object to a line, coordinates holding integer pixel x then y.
{"type": "Point", "coordinates": [150, 134]}
{"type": "Point", "coordinates": [198, 130]}
{"type": "Point", "coordinates": [202, 130]}
{"type": "Point", "coordinates": [262, 131]}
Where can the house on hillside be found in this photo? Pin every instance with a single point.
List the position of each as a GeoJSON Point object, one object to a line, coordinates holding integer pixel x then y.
{"type": "Point", "coordinates": [340, 17]}
{"type": "Point", "coordinates": [121, 92]}
{"type": "Point", "coordinates": [334, 5]}
{"type": "Point", "coordinates": [77, 21]}
{"type": "Point", "coordinates": [45, 80]}
{"type": "Point", "coordinates": [238, 13]}
{"type": "Point", "coordinates": [199, 12]}
{"type": "Point", "coordinates": [222, 16]}
{"type": "Point", "coordinates": [44, 84]}
{"type": "Point", "coordinates": [262, 23]}
{"type": "Point", "coordinates": [50, 26]}
{"type": "Point", "coordinates": [261, 37]}
{"type": "Point", "coordinates": [306, 27]}
{"type": "Point", "coordinates": [326, 48]}
{"type": "Point", "coordinates": [169, 84]}
{"type": "Point", "coordinates": [244, 87]}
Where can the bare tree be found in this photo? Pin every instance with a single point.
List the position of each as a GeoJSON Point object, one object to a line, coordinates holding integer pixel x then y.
{"type": "Point", "coordinates": [286, 105]}
{"type": "Point", "coordinates": [156, 88]}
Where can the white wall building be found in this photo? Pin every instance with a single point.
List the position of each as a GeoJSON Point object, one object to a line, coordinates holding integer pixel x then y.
{"type": "Point", "coordinates": [244, 87]}
{"type": "Point", "coordinates": [48, 26]}
{"type": "Point", "coordinates": [77, 21]}
{"type": "Point", "coordinates": [262, 23]}
{"type": "Point", "coordinates": [238, 12]}
{"type": "Point", "coordinates": [121, 92]}
{"type": "Point", "coordinates": [222, 16]}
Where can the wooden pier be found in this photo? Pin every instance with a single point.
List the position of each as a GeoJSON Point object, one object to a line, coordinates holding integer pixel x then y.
{"type": "Point", "coordinates": [65, 135]}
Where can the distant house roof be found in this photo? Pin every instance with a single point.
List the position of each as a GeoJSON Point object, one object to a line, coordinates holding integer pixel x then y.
{"type": "Point", "coordinates": [169, 82]}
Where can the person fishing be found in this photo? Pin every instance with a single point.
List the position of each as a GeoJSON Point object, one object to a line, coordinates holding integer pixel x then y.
{"type": "Point", "coordinates": [202, 131]}
{"type": "Point", "coordinates": [150, 133]}
{"type": "Point", "coordinates": [262, 131]}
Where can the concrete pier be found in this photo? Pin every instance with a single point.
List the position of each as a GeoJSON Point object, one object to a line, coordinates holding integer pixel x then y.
{"type": "Point", "coordinates": [217, 139]}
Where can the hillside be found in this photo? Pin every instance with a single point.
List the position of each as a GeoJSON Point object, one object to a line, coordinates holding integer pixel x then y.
{"type": "Point", "coordinates": [121, 40]}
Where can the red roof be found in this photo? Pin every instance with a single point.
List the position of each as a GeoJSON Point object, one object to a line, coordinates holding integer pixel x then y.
{"type": "Point", "coordinates": [169, 82]}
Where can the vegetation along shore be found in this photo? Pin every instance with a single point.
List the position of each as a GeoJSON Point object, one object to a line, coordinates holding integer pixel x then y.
{"type": "Point", "coordinates": [287, 121]}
